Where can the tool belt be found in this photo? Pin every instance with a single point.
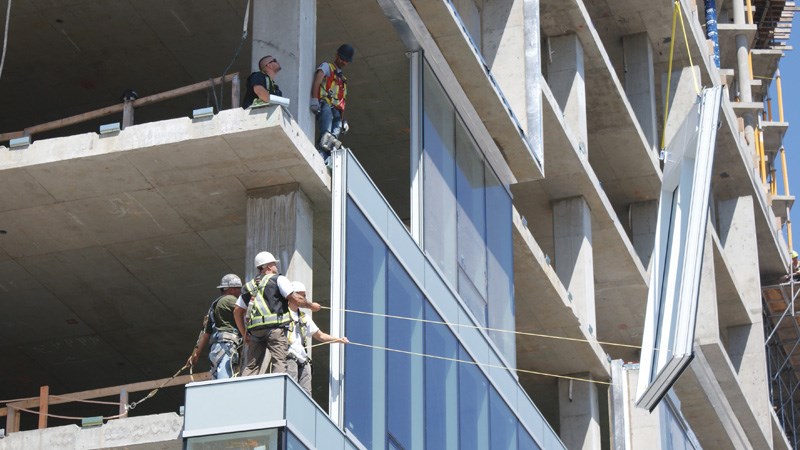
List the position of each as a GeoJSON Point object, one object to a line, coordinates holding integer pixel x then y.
{"type": "Point", "coordinates": [222, 336]}
{"type": "Point", "coordinates": [292, 356]}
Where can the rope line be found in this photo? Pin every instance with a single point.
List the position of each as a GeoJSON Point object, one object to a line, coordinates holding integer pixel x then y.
{"type": "Point", "coordinates": [522, 333]}
{"type": "Point", "coordinates": [444, 358]}
{"type": "Point", "coordinates": [669, 72]}
{"type": "Point", "coordinates": [78, 400]}
{"type": "Point", "coordinates": [58, 416]}
{"type": "Point", "coordinates": [688, 50]}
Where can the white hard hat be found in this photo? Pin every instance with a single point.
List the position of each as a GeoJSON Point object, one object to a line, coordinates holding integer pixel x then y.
{"type": "Point", "coordinates": [229, 281]}
{"type": "Point", "coordinates": [794, 254]}
{"type": "Point", "coordinates": [264, 258]}
{"type": "Point", "coordinates": [298, 286]}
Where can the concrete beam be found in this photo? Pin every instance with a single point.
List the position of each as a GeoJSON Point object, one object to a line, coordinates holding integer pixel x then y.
{"type": "Point", "coordinates": [572, 233]}
{"type": "Point", "coordinates": [640, 83]}
{"type": "Point", "coordinates": [682, 96]}
{"type": "Point", "coordinates": [565, 76]}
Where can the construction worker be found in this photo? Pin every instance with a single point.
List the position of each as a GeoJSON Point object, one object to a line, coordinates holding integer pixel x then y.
{"type": "Point", "coordinates": [795, 269]}
{"type": "Point", "coordinates": [261, 84]}
{"type": "Point", "coordinates": [219, 327]}
{"type": "Point", "coordinates": [268, 317]}
{"type": "Point", "coordinates": [298, 363]}
{"type": "Point", "coordinates": [328, 99]}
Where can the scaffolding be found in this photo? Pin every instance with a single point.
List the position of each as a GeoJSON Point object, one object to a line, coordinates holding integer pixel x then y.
{"type": "Point", "coordinates": [782, 328]}
{"type": "Point", "coordinates": [774, 20]}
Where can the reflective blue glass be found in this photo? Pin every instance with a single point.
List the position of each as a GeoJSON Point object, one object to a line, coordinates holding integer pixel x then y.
{"type": "Point", "coordinates": [525, 441]}
{"type": "Point", "coordinates": [292, 443]}
{"type": "Point", "coordinates": [404, 371]}
{"type": "Point", "coordinates": [441, 384]}
{"type": "Point", "coordinates": [473, 405]}
{"type": "Point", "coordinates": [500, 266]}
{"type": "Point", "coordinates": [503, 423]}
{"type": "Point", "coordinates": [365, 383]}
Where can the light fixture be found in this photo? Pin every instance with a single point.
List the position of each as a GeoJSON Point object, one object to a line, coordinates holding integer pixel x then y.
{"type": "Point", "coordinates": [203, 112]}
{"type": "Point", "coordinates": [110, 128]}
{"type": "Point", "coordinates": [19, 143]}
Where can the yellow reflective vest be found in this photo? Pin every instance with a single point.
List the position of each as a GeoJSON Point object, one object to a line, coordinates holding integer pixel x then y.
{"type": "Point", "coordinates": [270, 308]}
{"type": "Point", "coordinates": [333, 88]}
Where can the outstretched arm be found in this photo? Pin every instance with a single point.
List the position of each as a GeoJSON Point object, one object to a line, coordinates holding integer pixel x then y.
{"type": "Point", "coordinates": [324, 337]}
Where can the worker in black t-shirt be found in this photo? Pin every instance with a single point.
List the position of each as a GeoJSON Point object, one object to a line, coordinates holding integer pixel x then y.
{"type": "Point", "coordinates": [261, 84]}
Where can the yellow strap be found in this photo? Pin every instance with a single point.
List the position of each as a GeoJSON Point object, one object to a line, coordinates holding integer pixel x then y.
{"type": "Point", "coordinates": [688, 50]}
{"type": "Point", "coordinates": [669, 71]}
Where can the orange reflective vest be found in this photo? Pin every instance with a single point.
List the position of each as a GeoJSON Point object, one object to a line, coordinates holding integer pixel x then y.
{"type": "Point", "coordinates": [333, 88]}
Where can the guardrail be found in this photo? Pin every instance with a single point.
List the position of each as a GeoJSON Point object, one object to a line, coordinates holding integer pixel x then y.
{"type": "Point", "coordinates": [127, 107]}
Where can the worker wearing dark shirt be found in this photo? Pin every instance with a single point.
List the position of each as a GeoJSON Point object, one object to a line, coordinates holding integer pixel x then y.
{"type": "Point", "coordinates": [261, 84]}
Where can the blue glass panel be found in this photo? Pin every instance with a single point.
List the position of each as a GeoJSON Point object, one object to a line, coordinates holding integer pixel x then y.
{"type": "Point", "coordinates": [503, 424]}
{"type": "Point", "coordinates": [298, 410]}
{"type": "Point", "coordinates": [439, 182]}
{"type": "Point", "coordinates": [404, 371]}
{"type": "Point", "coordinates": [441, 381]}
{"type": "Point", "coordinates": [526, 442]}
{"type": "Point", "coordinates": [365, 383]}
{"type": "Point", "coordinates": [292, 443]}
{"type": "Point", "coordinates": [473, 406]}
{"type": "Point", "coordinates": [500, 266]}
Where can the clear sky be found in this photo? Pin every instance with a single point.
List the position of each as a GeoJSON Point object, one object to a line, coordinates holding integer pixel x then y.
{"type": "Point", "coordinates": [790, 84]}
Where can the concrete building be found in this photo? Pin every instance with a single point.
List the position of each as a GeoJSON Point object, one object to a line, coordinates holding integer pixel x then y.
{"type": "Point", "coordinates": [486, 242]}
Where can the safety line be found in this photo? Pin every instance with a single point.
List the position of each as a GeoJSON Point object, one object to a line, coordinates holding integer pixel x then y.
{"type": "Point", "coordinates": [98, 402]}
{"type": "Point", "coordinates": [523, 333]}
{"type": "Point", "coordinates": [58, 416]}
{"type": "Point", "coordinates": [444, 358]}
{"type": "Point", "coordinates": [669, 72]}
{"type": "Point", "coordinates": [688, 50]}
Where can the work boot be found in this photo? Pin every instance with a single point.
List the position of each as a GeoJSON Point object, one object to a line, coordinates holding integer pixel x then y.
{"type": "Point", "coordinates": [326, 141]}
{"type": "Point", "coordinates": [335, 143]}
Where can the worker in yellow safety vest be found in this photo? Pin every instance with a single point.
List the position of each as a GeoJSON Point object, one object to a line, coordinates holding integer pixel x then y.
{"type": "Point", "coordinates": [328, 100]}
{"type": "Point", "coordinates": [794, 272]}
{"type": "Point", "coordinates": [265, 300]}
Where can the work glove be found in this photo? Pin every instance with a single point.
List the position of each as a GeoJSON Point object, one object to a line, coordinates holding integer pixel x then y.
{"type": "Point", "coordinates": [345, 127]}
{"type": "Point", "coordinates": [314, 105]}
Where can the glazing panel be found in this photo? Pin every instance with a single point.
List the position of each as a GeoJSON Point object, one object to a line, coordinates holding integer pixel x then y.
{"type": "Point", "coordinates": [266, 439]}
{"type": "Point", "coordinates": [500, 266]}
{"type": "Point", "coordinates": [503, 423]}
{"type": "Point", "coordinates": [292, 443]}
{"type": "Point", "coordinates": [405, 372]}
{"type": "Point", "coordinates": [525, 441]}
{"type": "Point", "coordinates": [473, 407]}
{"type": "Point", "coordinates": [471, 221]}
{"type": "Point", "coordinates": [441, 384]}
{"type": "Point", "coordinates": [439, 183]}
{"type": "Point", "coordinates": [365, 383]}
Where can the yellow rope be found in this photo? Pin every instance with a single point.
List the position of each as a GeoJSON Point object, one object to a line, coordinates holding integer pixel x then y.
{"type": "Point", "coordinates": [688, 50]}
{"type": "Point", "coordinates": [669, 72]}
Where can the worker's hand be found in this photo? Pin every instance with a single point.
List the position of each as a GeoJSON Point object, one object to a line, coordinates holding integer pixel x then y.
{"type": "Point", "coordinates": [315, 307]}
{"type": "Point", "coordinates": [314, 105]}
{"type": "Point", "coordinates": [345, 127]}
{"type": "Point", "coordinates": [343, 340]}
{"type": "Point", "coordinates": [193, 359]}
{"type": "Point", "coordinates": [247, 338]}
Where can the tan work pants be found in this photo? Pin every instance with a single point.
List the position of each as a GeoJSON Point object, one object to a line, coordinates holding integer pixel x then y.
{"type": "Point", "coordinates": [267, 348]}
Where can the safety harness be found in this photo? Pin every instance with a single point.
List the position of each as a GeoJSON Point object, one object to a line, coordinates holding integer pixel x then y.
{"type": "Point", "coordinates": [270, 308]}
{"type": "Point", "coordinates": [333, 88]}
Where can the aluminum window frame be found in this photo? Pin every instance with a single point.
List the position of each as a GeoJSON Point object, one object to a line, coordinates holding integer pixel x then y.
{"type": "Point", "coordinates": [673, 295]}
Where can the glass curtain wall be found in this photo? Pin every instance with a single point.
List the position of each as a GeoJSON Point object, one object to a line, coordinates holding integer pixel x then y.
{"type": "Point", "coordinates": [466, 216]}
{"type": "Point", "coordinates": [396, 397]}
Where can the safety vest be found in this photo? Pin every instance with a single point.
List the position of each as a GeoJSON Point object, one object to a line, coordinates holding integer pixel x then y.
{"type": "Point", "coordinates": [333, 88]}
{"type": "Point", "coordinates": [303, 324]}
{"type": "Point", "coordinates": [270, 308]}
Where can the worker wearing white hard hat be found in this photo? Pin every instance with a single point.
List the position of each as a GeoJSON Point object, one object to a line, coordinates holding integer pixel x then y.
{"type": "Point", "coordinates": [794, 269]}
{"type": "Point", "coordinates": [268, 317]}
{"type": "Point", "coordinates": [302, 327]}
{"type": "Point", "coordinates": [220, 329]}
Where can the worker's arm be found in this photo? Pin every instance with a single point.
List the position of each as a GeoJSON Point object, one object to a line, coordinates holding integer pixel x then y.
{"type": "Point", "coordinates": [318, 76]}
{"type": "Point", "coordinates": [262, 93]}
{"type": "Point", "coordinates": [238, 317]}
{"type": "Point", "coordinates": [324, 337]}
{"type": "Point", "coordinates": [301, 302]}
{"type": "Point", "coordinates": [201, 345]}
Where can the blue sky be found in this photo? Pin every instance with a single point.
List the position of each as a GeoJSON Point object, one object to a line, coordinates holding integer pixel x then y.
{"type": "Point", "coordinates": [790, 75]}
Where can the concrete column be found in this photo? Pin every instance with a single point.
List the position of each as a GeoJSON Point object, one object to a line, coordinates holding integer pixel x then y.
{"type": "Point", "coordinates": [572, 235]}
{"type": "Point", "coordinates": [746, 341]}
{"type": "Point", "coordinates": [288, 31]}
{"type": "Point", "coordinates": [643, 218]}
{"type": "Point", "coordinates": [565, 76]}
{"type": "Point", "coordinates": [579, 414]}
{"type": "Point", "coordinates": [280, 221]}
{"type": "Point", "coordinates": [743, 74]}
{"type": "Point", "coordinates": [682, 97]}
{"type": "Point", "coordinates": [640, 83]}
{"type": "Point", "coordinates": [707, 327]}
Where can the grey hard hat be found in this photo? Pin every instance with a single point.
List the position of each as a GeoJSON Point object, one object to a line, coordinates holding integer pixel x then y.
{"type": "Point", "coordinates": [230, 280]}
{"type": "Point", "coordinates": [346, 52]}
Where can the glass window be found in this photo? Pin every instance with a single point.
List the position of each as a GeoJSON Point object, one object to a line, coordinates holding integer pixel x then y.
{"type": "Point", "coordinates": [526, 442]}
{"type": "Point", "coordinates": [266, 439]}
{"type": "Point", "coordinates": [292, 443]}
{"type": "Point", "coordinates": [441, 384]}
{"type": "Point", "coordinates": [503, 425]}
{"type": "Point", "coordinates": [473, 405]}
{"type": "Point", "coordinates": [404, 371]}
{"type": "Point", "coordinates": [677, 256]}
{"type": "Point", "coordinates": [365, 383]}
{"type": "Point", "coordinates": [500, 259]}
